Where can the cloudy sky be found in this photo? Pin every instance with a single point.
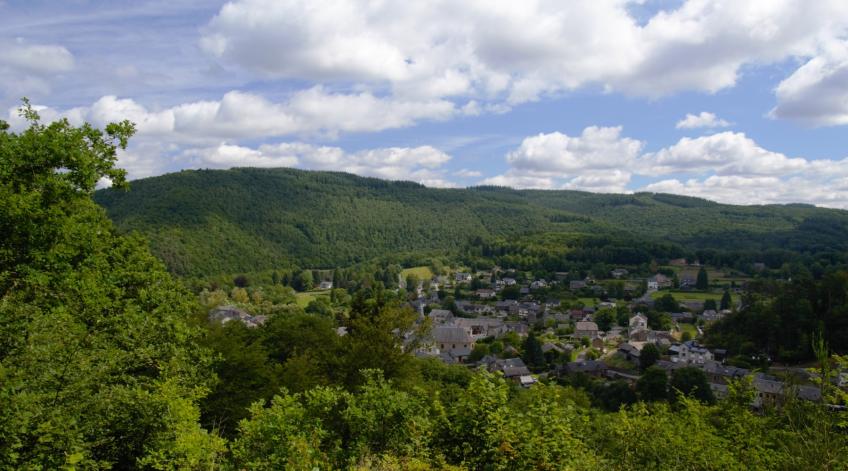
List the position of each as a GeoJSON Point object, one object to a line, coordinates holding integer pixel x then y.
{"type": "Point", "coordinates": [742, 101]}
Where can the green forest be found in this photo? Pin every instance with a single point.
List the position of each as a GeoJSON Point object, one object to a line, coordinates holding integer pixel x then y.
{"type": "Point", "coordinates": [108, 361]}
{"type": "Point", "coordinates": [211, 222]}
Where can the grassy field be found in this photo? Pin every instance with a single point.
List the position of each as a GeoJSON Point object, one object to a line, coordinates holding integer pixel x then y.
{"type": "Point", "coordinates": [715, 276]}
{"type": "Point", "coordinates": [588, 302]}
{"type": "Point", "coordinates": [303, 299]}
{"type": "Point", "coordinates": [684, 327]}
{"type": "Point", "coordinates": [423, 273]}
{"type": "Point", "coordinates": [692, 295]}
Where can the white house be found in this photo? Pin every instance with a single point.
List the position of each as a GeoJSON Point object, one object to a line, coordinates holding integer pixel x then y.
{"type": "Point", "coordinates": [463, 277]}
{"type": "Point", "coordinates": [486, 293]}
{"type": "Point", "coordinates": [638, 322]}
{"type": "Point", "coordinates": [690, 352]}
{"type": "Point", "coordinates": [538, 284]}
{"type": "Point", "coordinates": [658, 281]}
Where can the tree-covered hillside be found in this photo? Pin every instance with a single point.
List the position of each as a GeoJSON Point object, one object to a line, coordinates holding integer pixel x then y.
{"type": "Point", "coordinates": [225, 221]}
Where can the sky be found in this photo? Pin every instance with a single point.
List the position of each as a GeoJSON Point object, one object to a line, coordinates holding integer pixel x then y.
{"type": "Point", "coordinates": [742, 101]}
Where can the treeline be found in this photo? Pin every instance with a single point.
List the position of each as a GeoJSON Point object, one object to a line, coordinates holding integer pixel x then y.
{"type": "Point", "coordinates": [551, 253]}
{"type": "Point", "coordinates": [206, 222]}
{"type": "Point", "coordinates": [780, 318]}
{"type": "Point", "coordinates": [387, 270]}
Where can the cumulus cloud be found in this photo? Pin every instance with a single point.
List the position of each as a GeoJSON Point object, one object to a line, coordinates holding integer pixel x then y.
{"type": "Point", "coordinates": [596, 148]}
{"type": "Point", "coordinates": [600, 159]}
{"type": "Point", "coordinates": [245, 115]}
{"type": "Point", "coordinates": [703, 120]}
{"type": "Point", "coordinates": [422, 164]}
{"type": "Point", "coordinates": [29, 68]}
{"type": "Point", "coordinates": [817, 92]}
{"type": "Point", "coordinates": [515, 52]}
{"type": "Point", "coordinates": [726, 153]}
{"type": "Point", "coordinates": [227, 156]}
{"type": "Point", "coordinates": [42, 59]}
{"type": "Point", "coordinates": [809, 187]}
{"type": "Point", "coordinates": [728, 167]}
{"type": "Point", "coordinates": [607, 181]}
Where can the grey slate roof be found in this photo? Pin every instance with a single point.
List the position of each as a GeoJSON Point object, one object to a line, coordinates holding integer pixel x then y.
{"type": "Point", "coordinates": [451, 334]}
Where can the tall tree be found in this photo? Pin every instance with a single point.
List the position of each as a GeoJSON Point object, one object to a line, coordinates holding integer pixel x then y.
{"type": "Point", "coordinates": [605, 319]}
{"type": "Point", "coordinates": [304, 281]}
{"type": "Point", "coordinates": [533, 354]}
{"type": "Point", "coordinates": [653, 385]}
{"type": "Point", "coordinates": [725, 300]}
{"type": "Point", "coordinates": [98, 365]}
{"type": "Point", "coordinates": [703, 280]}
{"type": "Point", "coordinates": [691, 381]}
{"type": "Point", "coordinates": [667, 303]}
{"type": "Point", "coordinates": [648, 356]}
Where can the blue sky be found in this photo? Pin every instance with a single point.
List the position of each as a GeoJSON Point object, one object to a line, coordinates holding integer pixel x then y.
{"type": "Point", "coordinates": [741, 102]}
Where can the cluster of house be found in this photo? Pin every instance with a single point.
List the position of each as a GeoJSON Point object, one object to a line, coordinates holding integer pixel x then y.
{"type": "Point", "coordinates": [453, 338]}
{"type": "Point", "coordinates": [769, 390]}
{"type": "Point", "coordinates": [224, 314]}
{"type": "Point", "coordinates": [588, 283]}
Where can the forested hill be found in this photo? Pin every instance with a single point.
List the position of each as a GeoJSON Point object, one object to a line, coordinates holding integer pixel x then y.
{"type": "Point", "coordinates": [225, 221]}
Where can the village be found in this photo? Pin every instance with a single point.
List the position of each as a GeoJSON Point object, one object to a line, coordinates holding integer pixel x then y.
{"type": "Point", "coordinates": [589, 334]}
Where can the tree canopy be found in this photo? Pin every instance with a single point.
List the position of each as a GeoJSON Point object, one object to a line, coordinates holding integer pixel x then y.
{"type": "Point", "coordinates": [99, 366]}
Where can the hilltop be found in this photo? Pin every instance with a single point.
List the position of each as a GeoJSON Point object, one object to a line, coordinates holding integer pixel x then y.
{"type": "Point", "coordinates": [204, 222]}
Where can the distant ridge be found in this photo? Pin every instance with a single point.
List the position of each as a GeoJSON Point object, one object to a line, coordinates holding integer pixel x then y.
{"type": "Point", "coordinates": [203, 222]}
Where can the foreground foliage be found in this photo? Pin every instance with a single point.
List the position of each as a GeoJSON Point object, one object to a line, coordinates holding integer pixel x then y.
{"type": "Point", "coordinates": [98, 367]}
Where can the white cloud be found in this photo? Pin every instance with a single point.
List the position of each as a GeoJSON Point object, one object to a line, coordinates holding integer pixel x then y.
{"type": "Point", "coordinates": [727, 167]}
{"type": "Point", "coordinates": [600, 159]}
{"type": "Point", "coordinates": [227, 156]}
{"type": "Point", "coordinates": [726, 153]}
{"type": "Point", "coordinates": [516, 179]}
{"type": "Point", "coordinates": [817, 93]}
{"type": "Point", "coordinates": [702, 45]}
{"type": "Point", "coordinates": [595, 148]}
{"type": "Point", "coordinates": [703, 120]}
{"type": "Point", "coordinates": [30, 68]}
{"type": "Point", "coordinates": [360, 112]}
{"type": "Point", "coordinates": [601, 181]}
{"type": "Point", "coordinates": [245, 115]}
{"type": "Point", "coordinates": [818, 189]}
{"type": "Point", "coordinates": [513, 52]}
{"type": "Point", "coordinates": [468, 173]}
{"type": "Point", "coordinates": [40, 59]}
{"type": "Point", "coordinates": [422, 164]}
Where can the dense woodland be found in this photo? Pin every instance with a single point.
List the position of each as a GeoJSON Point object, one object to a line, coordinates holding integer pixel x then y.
{"type": "Point", "coordinates": [107, 361]}
{"type": "Point", "coordinates": [780, 318]}
{"type": "Point", "coordinates": [210, 222]}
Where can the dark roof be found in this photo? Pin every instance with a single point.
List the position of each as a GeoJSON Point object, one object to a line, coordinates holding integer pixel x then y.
{"type": "Point", "coordinates": [513, 371]}
{"type": "Point", "coordinates": [451, 334]}
{"type": "Point", "coordinates": [669, 365]}
{"type": "Point", "coordinates": [510, 362]}
{"type": "Point", "coordinates": [714, 367]}
{"type": "Point", "coordinates": [460, 352]}
{"type": "Point", "coordinates": [586, 366]}
{"type": "Point", "coordinates": [629, 349]}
